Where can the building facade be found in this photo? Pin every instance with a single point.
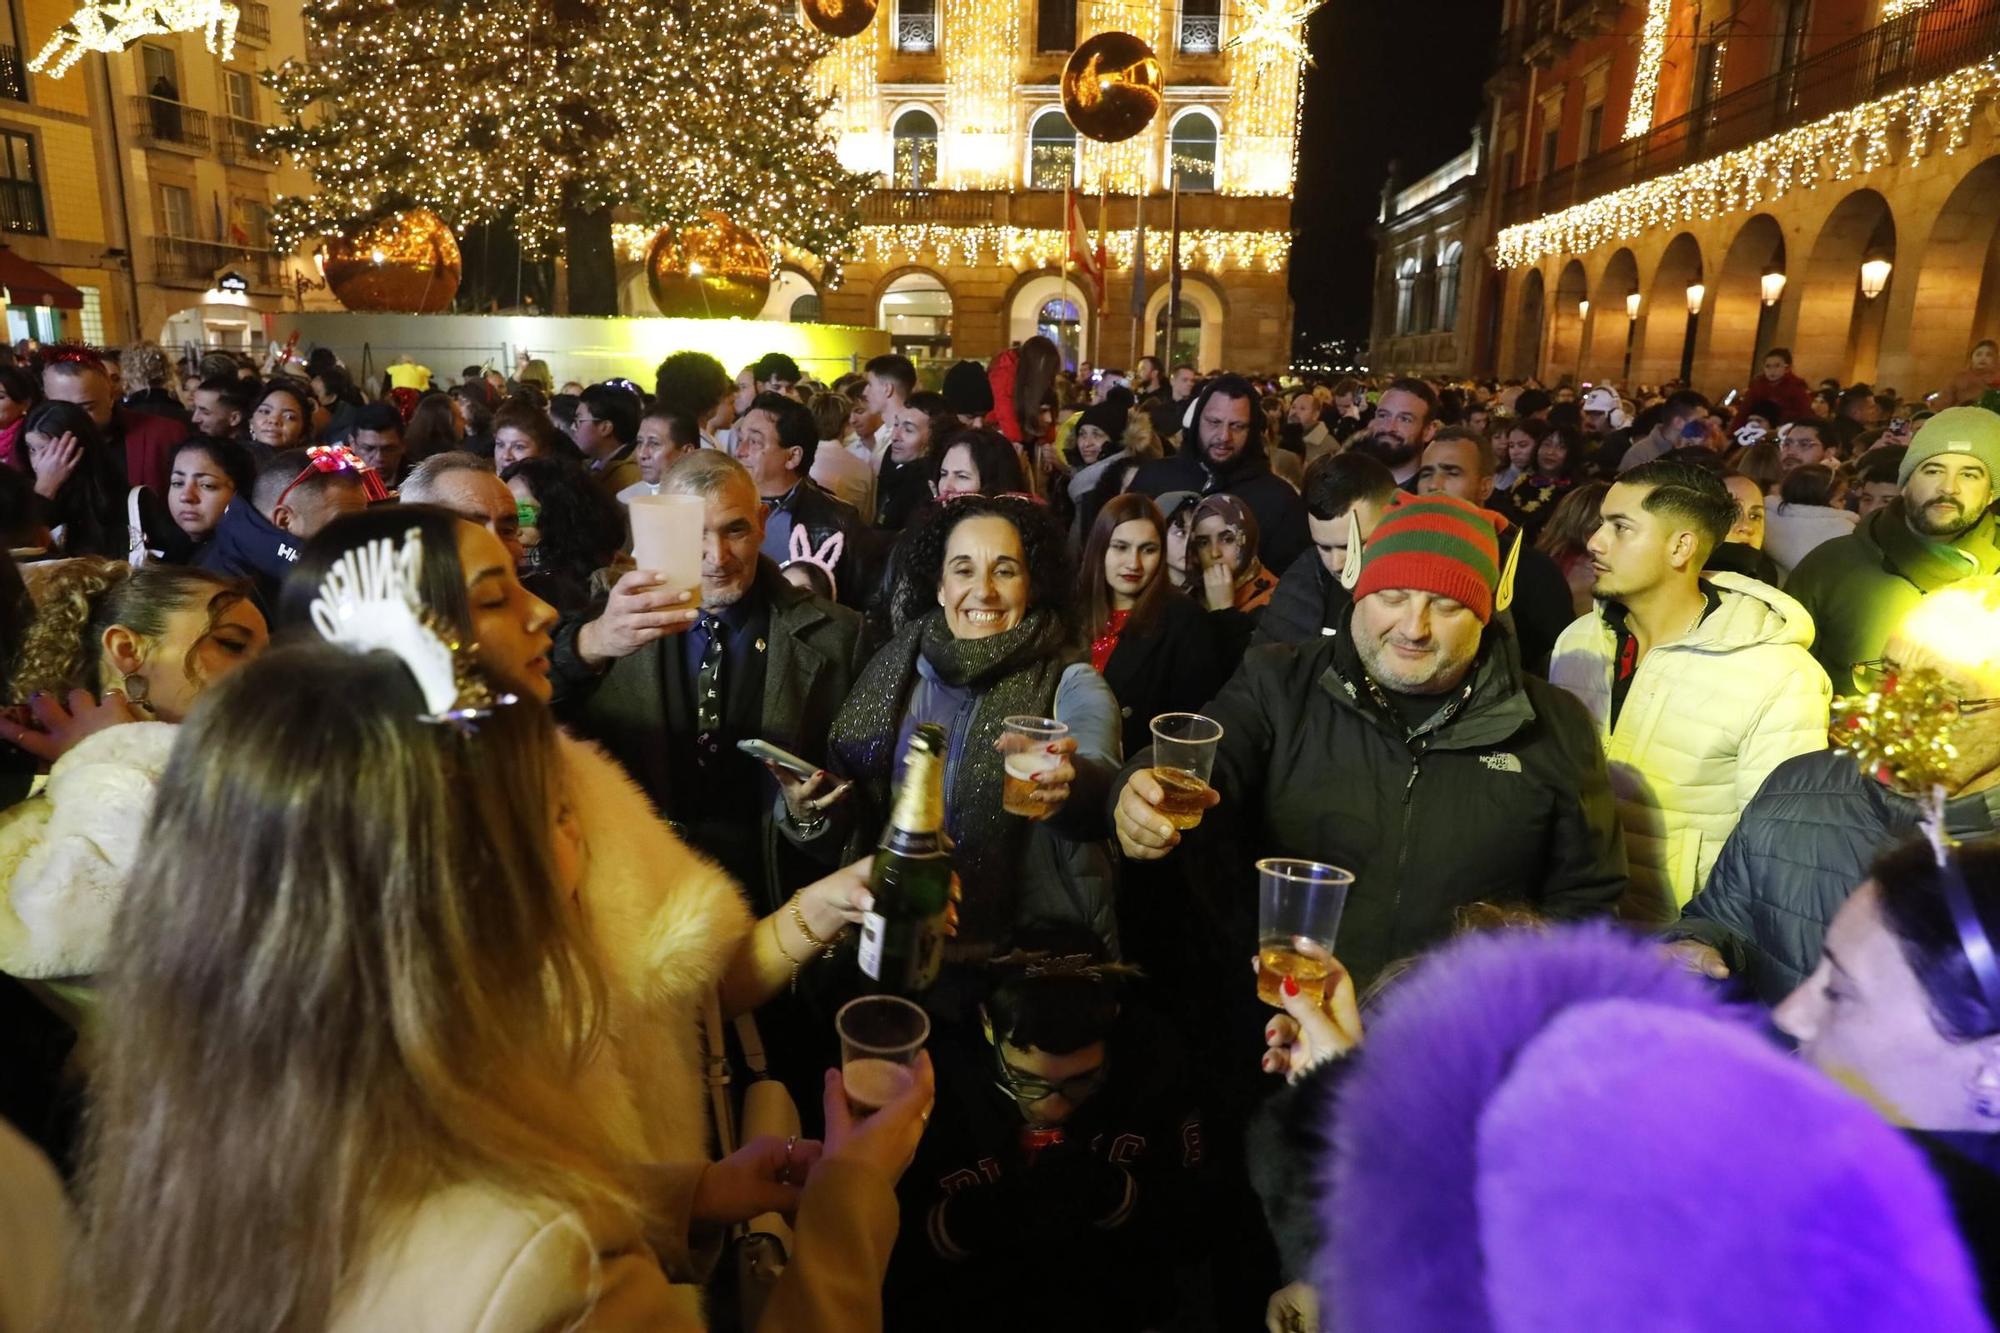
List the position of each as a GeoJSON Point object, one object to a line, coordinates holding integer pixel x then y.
{"type": "Point", "coordinates": [1430, 271]}
{"type": "Point", "coordinates": [955, 105]}
{"type": "Point", "coordinates": [1680, 188]}
{"type": "Point", "coordinates": [135, 178]}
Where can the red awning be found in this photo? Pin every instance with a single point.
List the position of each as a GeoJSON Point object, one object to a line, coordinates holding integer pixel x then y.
{"type": "Point", "coordinates": [31, 284]}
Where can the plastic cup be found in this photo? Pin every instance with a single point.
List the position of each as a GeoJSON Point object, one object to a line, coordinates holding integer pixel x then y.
{"type": "Point", "coordinates": [1027, 745]}
{"type": "Point", "coordinates": [1298, 914]}
{"type": "Point", "coordinates": [1183, 757]}
{"type": "Point", "coordinates": [880, 1036]}
{"type": "Point", "coordinates": [666, 538]}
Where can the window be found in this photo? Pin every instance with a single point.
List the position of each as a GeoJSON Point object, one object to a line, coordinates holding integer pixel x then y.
{"type": "Point", "coordinates": [1593, 130]}
{"type": "Point", "coordinates": [1406, 296]}
{"type": "Point", "coordinates": [916, 310]}
{"type": "Point", "coordinates": [1201, 27]}
{"type": "Point", "coordinates": [916, 25]}
{"type": "Point", "coordinates": [1055, 25]}
{"type": "Point", "coordinates": [251, 226]}
{"type": "Point", "coordinates": [240, 91]}
{"type": "Point", "coordinates": [20, 186]}
{"type": "Point", "coordinates": [1058, 321]}
{"type": "Point", "coordinates": [93, 316]}
{"type": "Point", "coordinates": [805, 309]}
{"type": "Point", "coordinates": [1191, 150]}
{"type": "Point", "coordinates": [177, 211]}
{"type": "Point", "coordinates": [1447, 286]}
{"type": "Point", "coordinates": [1051, 152]}
{"type": "Point", "coordinates": [1185, 345]}
{"type": "Point", "coordinates": [1550, 137]}
{"type": "Point", "coordinates": [915, 137]}
{"type": "Point", "coordinates": [162, 71]}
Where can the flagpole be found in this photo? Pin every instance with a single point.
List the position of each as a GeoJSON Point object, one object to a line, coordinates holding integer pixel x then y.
{"type": "Point", "coordinates": [1173, 278]}
{"type": "Point", "coordinates": [1138, 301]}
{"type": "Point", "coordinates": [1103, 278]}
{"type": "Point", "coordinates": [1068, 244]}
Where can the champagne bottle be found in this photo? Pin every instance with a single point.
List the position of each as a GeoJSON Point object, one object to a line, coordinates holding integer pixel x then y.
{"type": "Point", "coordinates": [902, 939]}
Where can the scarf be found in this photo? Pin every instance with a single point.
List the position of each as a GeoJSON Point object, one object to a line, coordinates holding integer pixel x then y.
{"type": "Point", "coordinates": [1012, 673]}
{"type": "Point", "coordinates": [1932, 564]}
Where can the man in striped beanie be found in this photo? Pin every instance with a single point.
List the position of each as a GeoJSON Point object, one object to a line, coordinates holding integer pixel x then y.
{"type": "Point", "coordinates": [1410, 748]}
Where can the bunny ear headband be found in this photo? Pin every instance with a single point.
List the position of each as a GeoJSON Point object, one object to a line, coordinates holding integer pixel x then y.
{"type": "Point", "coordinates": [826, 557]}
{"type": "Point", "coordinates": [369, 602]}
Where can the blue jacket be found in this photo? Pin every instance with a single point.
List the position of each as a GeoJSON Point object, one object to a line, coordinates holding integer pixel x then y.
{"type": "Point", "coordinates": [249, 546]}
{"type": "Point", "coordinates": [1802, 845]}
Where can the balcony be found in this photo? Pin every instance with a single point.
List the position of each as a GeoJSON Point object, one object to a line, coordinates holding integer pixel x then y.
{"type": "Point", "coordinates": [159, 122]}
{"type": "Point", "coordinates": [254, 22]}
{"type": "Point", "coordinates": [916, 30]}
{"type": "Point", "coordinates": [890, 207]}
{"type": "Point", "coordinates": [239, 141]}
{"type": "Point", "coordinates": [1872, 64]}
{"type": "Point", "coordinates": [1200, 34]}
{"type": "Point", "coordinates": [13, 77]}
{"type": "Point", "coordinates": [184, 261]}
{"type": "Point", "coordinates": [21, 208]}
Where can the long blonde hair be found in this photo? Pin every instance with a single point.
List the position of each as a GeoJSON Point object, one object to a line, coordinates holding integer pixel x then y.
{"type": "Point", "coordinates": [345, 979]}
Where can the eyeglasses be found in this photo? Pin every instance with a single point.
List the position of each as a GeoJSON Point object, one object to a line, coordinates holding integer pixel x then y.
{"type": "Point", "coordinates": [1075, 1089]}
{"type": "Point", "coordinates": [1880, 674]}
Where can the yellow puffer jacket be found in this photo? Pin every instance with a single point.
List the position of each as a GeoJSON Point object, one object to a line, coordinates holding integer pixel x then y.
{"type": "Point", "coordinates": [1707, 717]}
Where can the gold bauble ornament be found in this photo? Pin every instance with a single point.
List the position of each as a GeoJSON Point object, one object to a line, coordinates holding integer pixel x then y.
{"type": "Point", "coordinates": [1900, 732]}
{"type": "Point", "coordinates": [840, 18]}
{"type": "Point", "coordinates": [712, 268]}
{"type": "Point", "coordinates": [406, 262]}
{"type": "Point", "coordinates": [1111, 87]}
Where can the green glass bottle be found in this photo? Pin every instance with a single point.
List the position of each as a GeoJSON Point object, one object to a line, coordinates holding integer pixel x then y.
{"type": "Point", "coordinates": [902, 939]}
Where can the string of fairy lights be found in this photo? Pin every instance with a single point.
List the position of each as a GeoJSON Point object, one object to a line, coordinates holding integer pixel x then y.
{"type": "Point", "coordinates": [1646, 80]}
{"type": "Point", "coordinates": [1934, 116]}
{"type": "Point", "coordinates": [1212, 251]}
{"type": "Point", "coordinates": [113, 25]}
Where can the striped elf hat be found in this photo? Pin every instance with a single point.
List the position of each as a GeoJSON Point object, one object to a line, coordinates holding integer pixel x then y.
{"type": "Point", "coordinates": [1441, 545]}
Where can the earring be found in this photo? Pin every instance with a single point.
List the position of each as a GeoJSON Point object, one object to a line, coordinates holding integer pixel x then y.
{"type": "Point", "coordinates": [1985, 1088]}
{"type": "Point", "coordinates": [135, 689]}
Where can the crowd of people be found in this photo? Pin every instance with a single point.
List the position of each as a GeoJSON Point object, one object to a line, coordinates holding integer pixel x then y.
{"type": "Point", "coordinates": [373, 969]}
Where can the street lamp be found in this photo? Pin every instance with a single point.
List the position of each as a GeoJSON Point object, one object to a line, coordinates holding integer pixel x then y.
{"type": "Point", "coordinates": [1695, 292]}
{"type": "Point", "coordinates": [1583, 309]}
{"type": "Point", "coordinates": [1874, 276]}
{"type": "Point", "coordinates": [1772, 286]}
{"type": "Point", "coordinates": [1632, 306]}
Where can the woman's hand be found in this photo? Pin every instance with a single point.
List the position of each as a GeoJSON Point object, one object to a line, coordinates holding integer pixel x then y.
{"type": "Point", "coordinates": [832, 904]}
{"type": "Point", "coordinates": [1308, 1034]}
{"type": "Point", "coordinates": [888, 1139]}
{"type": "Point", "coordinates": [1051, 784]}
{"type": "Point", "coordinates": [1218, 586]}
{"type": "Point", "coordinates": [57, 729]}
{"type": "Point", "coordinates": [807, 799]}
{"type": "Point", "coordinates": [765, 1175]}
{"type": "Point", "coordinates": [54, 462]}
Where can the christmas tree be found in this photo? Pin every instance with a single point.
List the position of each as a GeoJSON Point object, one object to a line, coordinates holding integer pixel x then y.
{"type": "Point", "coordinates": [552, 113]}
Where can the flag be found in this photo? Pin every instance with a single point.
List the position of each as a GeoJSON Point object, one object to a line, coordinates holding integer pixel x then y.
{"type": "Point", "coordinates": [1076, 237]}
{"type": "Point", "coordinates": [1139, 257]}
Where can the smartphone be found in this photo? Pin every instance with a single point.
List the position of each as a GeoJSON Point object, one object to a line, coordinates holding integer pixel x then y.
{"type": "Point", "coordinates": [765, 752]}
{"type": "Point", "coordinates": [1729, 398]}
{"type": "Point", "coordinates": [1899, 425]}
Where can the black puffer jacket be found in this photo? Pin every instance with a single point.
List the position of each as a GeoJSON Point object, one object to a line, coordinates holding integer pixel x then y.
{"type": "Point", "coordinates": [1802, 845]}
{"type": "Point", "coordinates": [1506, 801]}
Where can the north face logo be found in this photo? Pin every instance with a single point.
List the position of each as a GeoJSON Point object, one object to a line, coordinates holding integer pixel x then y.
{"type": "Point", "coordinates": [1501, 763]}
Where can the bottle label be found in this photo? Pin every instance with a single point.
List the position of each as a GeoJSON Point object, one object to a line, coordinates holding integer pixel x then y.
{"type": "Point", "coordinates": [873, 930]}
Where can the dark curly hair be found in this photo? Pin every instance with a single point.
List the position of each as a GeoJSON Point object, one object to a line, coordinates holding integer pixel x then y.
{"type": "Point", "coordinates": [581, 527]}
{"type": "Point", "coordinates": [1051, 570]}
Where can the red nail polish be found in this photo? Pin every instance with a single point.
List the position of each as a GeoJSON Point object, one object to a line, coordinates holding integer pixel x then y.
{"type": "Point", "coordinates": [1291, 986]}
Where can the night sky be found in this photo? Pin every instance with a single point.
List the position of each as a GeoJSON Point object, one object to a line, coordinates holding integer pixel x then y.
{"type": "Point", "coordinates": [1392, 79]}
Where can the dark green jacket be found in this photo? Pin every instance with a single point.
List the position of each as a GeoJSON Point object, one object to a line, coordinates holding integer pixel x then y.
{"type": "Point", "coordinates": [1859, 587]}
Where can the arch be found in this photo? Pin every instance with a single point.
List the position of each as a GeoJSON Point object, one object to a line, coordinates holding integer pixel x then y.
{"type": "Point", "coordinates": [1665, 330]}
{"type": "Point", "coordinates": [1958, 284]}
{"type": "Point", "coordinates": [1199, 299]}
{"type": "Point", "coordinates": [789, 285]}
{"type": "Point", "coordinates": [1839, 330]}
{"type": "Point", "coordinates": [913, 158]}
{"type": "Point", "coordinates": [1052, 155]}
{"type": "Point", "coordinates": [1194, 143]}
{"type": "Point", "coordinates": [1025, 305]}
{"type": "Point", "coordinates": [915, 306]}
{"type": "Point", "coordinates": [1531, 315]}
{"type": "Point", "coordinates": [1568, 325]}
{"type": "Point", "coordinates": [1737, 328]}
{"type": "Point", "coordinates": [1407, 274]}
{"type": "Point", "coordinates": [1611, 333]}
{"type": "Point", "coordinates": [1449, 269]}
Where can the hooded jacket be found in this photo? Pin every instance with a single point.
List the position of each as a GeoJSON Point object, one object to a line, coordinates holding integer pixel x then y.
{"type": "Point", "coordinates": [1804, 842]}
{"type": "Point", "coordinates": [1281, 514]}
{"type": "Point", "coordinates": [1504, 800]}
{"type": "Point", "coordinates": [246, 545]}
{"type": "Point", "coordinates": [1792, 532]}
{"type": "Point", "coordinates": [1859, 587]}
{"type": "Point", "coordinates": [1707, 717]}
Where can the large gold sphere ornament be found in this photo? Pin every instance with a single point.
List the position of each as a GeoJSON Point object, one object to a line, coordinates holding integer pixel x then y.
{"type": "Point", "coordinates": [711, 269]}
{"type": "Point", "coordinates": [1111, 87]}
{"type": "Point", "coordinates": [406, 262]}
{"type": "Point", "coordinates": [840, 18]}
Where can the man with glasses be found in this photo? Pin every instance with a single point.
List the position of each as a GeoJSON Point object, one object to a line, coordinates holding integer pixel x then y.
{"type": "Point", "coordinates": [1806, 839]}
{"type": "Point", "coordinates": [606, 429]}
{"type": "Point", "coordinates": [1056, 1188]}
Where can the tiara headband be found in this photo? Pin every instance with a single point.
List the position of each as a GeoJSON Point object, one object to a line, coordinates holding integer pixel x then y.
{"type": "Point", "coordinates": [339, 458]}
{"type": "Point", "coordinates": [370, 601]}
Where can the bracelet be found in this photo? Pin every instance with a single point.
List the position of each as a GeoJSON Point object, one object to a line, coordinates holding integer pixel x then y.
{"type": "Point", "coordinates": [779, 940]}
{"type": "Point", "coordinates": [812, 939]}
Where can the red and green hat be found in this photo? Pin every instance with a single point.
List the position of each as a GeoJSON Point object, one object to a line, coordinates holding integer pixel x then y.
{"type": "Point", "coordinates": [1437, 544]}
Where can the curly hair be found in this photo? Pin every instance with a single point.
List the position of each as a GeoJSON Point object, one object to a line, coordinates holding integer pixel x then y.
{"type": "Point", "coordinates": [85, 597]}
{"type": "Point", "coordinates": [581, 527]}
{"type": "Point", "coordinates": [691, 382]}
{"type": "Point", "coordinates": [142, 366]}
{"type": "Point", "coordinates": [1051, 570]}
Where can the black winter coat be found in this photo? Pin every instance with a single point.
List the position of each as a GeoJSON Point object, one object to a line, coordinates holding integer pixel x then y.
{"type": "Point", "coordinates": [1803, 844]}
{"type": "Point", "coordinates": [1506, 801]}
{"type": "Point", "coordinates": [1308, 603]}
{"type": "Point", "coordinates": [1280, 513]}
{"type": "Point", "coordinates": [1176, 668]}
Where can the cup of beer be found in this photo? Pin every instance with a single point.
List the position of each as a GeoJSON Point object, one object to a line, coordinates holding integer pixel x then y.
{"type": "Point", "coordinates": [1028, 746]}
{"type": "Point", "coordinates": [880, 1036]}
{"type": "Point", "coordinates": [1183, 757]}
{"type": "Point", "coordinates": [1298, 913]}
